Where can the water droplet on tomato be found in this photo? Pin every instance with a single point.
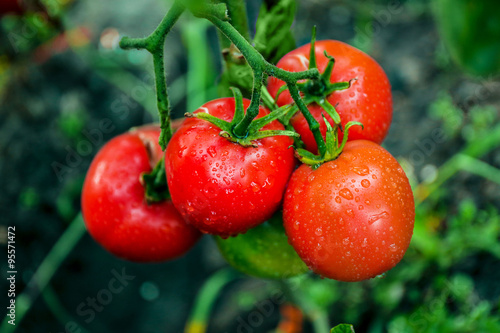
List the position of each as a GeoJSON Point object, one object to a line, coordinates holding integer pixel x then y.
{"type": "Point", "coordinates": [361, 170]}
{"type": "Point", "coordinates": [319, 232]}
{"type": "Point", "coordinates": [337, 199]}
{"type": "Point", "coordinates": [346, 193]}
{"type": "Point", "coordinates": [255, 187]}
{"type": "Point", "coordinates": [376, 217]}
{"type": "Point", "coordinates": [349, 212]}
{"type": "Point", "coordinates": [365, 183]}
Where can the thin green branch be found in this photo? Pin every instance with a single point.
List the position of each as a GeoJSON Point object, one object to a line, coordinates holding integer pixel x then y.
{"type": "Point", "coordinates": [155, 43]}
{"type": "Point", "coordinates": [474, 149]}
{"type": "Point", "coordinates": [241, 129]}
{"type": "Point", "coordinates": [260, 67]}
{"type": "Point", "coordinates": [205, 300]}
{"type": "Point", "coordinates": [238, 14]}
{"type": "Point", "coordinates": [311, 121]}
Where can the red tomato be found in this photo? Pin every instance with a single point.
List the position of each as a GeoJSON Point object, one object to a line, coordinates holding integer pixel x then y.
{"type": "Point", "coordinates": [10, 7]}
{"type": "Point", "coordinates": [368, 100]}
{"type": "Point", "coordinates": [114, 208]}
{"type": "Point", "coordinates": [351, 218]}
{"type": "Point", "coordinates": [219, 186]}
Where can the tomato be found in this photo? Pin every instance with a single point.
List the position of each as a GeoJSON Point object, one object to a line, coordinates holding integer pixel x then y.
{"type": "Point", "coordinates": [351, 218]}
{"type": "Point", "coordinates": [114, 207]}
{"type": "Point", "coordinates": [368, 100]}
{"type": "Point", "coordinates": [263, 251]}
{"type": "Point", "coordinates": [10, 7]}
{"type": "Point", "coordinates": [222, 187]}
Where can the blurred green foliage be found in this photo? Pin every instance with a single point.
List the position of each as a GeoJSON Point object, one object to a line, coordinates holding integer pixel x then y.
{"type": "Point", "coordinates": [471, 31]}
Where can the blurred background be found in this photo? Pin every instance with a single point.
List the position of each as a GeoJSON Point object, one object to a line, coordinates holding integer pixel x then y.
{"type": "Point", "coordinates": [62, 73]}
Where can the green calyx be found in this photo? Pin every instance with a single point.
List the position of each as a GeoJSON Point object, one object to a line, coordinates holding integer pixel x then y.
{"type": "Point", "coordinates": [316, 90]}
{"type": "Point", "coordinates": [333, 148]}
{"type": "Point", "coordinates": [155, 184]}
{"type": "Point", "coordinates": [253, 131]}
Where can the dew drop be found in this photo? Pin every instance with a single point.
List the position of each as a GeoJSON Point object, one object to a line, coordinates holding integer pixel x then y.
{"type": "Point", "coordinates": [346, 194]}
{"type": "Point", "coordinates": [376, 217]}
{"type": "Point", "coordinates": [211, 151]}
{"type": "Point", "coordinates": [365, 183]}
{"type": "Point", "coordinates": [361, 170]}
{"type": "Point", "coordinates": [255, 187]}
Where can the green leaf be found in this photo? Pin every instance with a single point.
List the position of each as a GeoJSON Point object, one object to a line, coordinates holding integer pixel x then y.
{"type": "Point", "coordinates": [273, 38]}
{"type": "Point", "coordinates": [343, 328]}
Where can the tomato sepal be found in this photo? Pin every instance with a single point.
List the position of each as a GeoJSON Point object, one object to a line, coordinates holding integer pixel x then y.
{"type": "Point", "coordinates": [254, 130]}
{"type": "Point", "coordinates": [155, 184]}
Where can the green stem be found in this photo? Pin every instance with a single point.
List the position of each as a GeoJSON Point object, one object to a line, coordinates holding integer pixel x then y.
{"type": "Point", "coordinates": [46, 271]}
{"type": "Point", "coordinates": [238, 14]}
{"type": "Point", "coordinates": [241, 129]}
{"type": "Point", "coordinates": [162, 99]}
{"type": "Point", "coordinates": [479, 168]}
{"type": "Point", "coordinates": [474, 149]}
{"type": "Point", "coordinates": [155, 43]}
{"type": "Point", "coordinates": [205, 300]}
{"type": "Point", "coordinates": [259, 66]}
{"type": "Point", "coordinates": [311, 121]}
{"type": "Point", "coordinates": [61, 314]}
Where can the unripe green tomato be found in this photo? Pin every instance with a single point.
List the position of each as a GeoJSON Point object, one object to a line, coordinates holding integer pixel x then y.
{"type": "Point", "coordinates": [471, 31]}
{"type": "Point", "coordinates": [263, 251]}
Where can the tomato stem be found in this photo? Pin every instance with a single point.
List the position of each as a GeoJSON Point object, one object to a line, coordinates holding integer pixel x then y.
{"type": "Point", "coordinates": [205, 301]}
{"type": "Point", "coordinates": [311, 121]}
{"type": "Point", "coordinates": [238, 35]}
{"type": "Point", "coordinates": [154, 43]}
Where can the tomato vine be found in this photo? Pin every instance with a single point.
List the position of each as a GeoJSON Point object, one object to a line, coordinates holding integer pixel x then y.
{"type": "Point", "coordinates": [217, 14]}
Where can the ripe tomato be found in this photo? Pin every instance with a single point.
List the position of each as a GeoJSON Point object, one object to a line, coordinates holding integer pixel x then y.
{"type": "Point", "coordinates": [114, 207]}
{"type": "Point", "coordinates": [10, 7]}
{"type": "Point", "coordinates": [219, 186]}
{"type": "Point", "coordinates": [351, 218]}
{"type": "Point", "coordinates": [368, 100]}
{"type": "Point", "coordinates": [263, 251]}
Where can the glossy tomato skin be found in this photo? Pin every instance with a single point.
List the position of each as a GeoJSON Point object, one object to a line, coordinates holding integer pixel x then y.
{"type": "Point", "coordinates": [352, 218]}
{"type": "Point", "coordinates": [368, 100]}
{"type": "Point", "coordinates": [114, 208]}
{"type": "Point", "coordinates": [221, 187]}
{"type": "Point", "coordinates": [263, 251]}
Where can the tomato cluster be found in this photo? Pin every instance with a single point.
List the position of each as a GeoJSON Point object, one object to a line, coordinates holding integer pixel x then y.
{"type": "Point", "coordinates": [348, 214]}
